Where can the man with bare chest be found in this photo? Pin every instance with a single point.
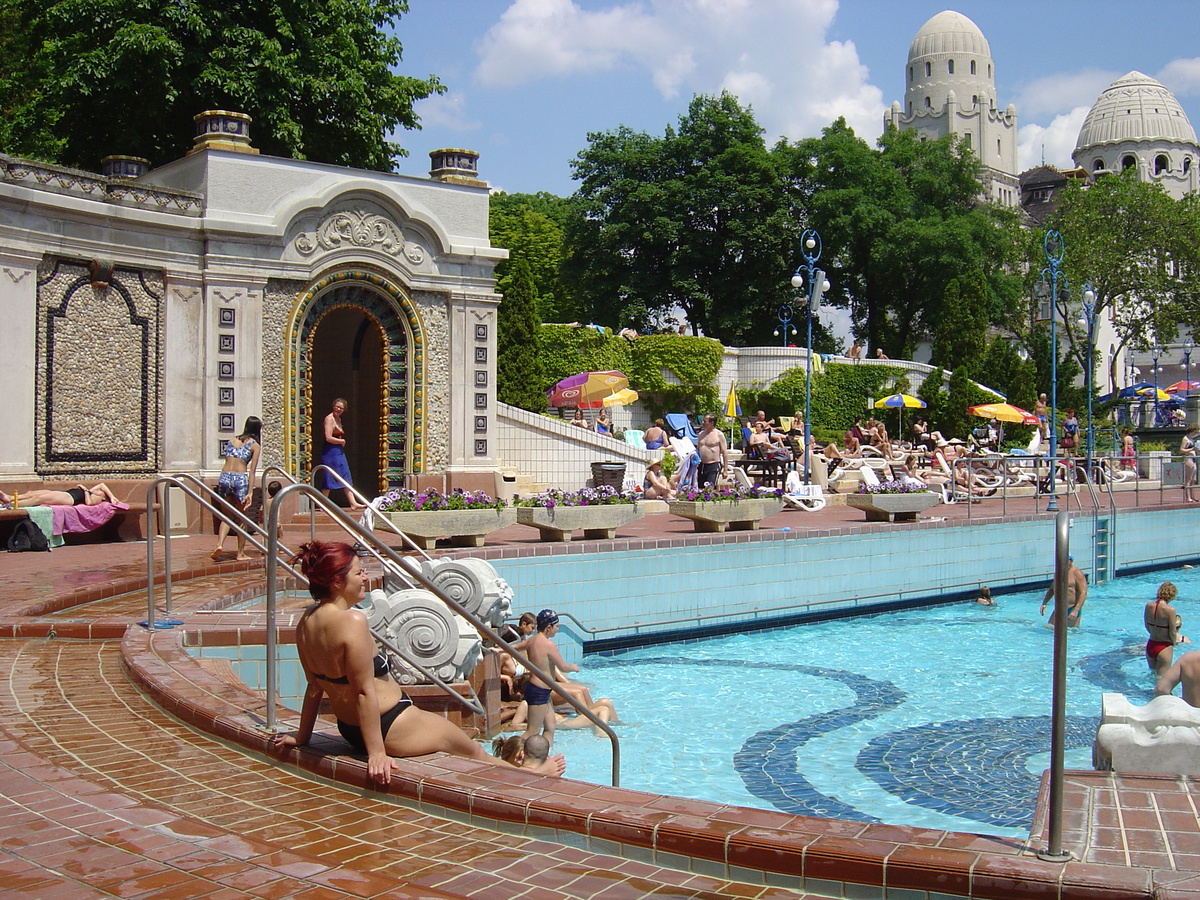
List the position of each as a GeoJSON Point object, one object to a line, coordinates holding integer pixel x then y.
{"type": "Point", "coordinates": [714, 453]}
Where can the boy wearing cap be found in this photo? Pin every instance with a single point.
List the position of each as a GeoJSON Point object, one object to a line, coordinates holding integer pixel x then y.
{"type": "Point", "coordinates": [544, 654]}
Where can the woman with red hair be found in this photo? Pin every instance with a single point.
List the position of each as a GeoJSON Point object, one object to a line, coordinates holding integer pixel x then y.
{"type": "Point", "coordinates": [336, 649]}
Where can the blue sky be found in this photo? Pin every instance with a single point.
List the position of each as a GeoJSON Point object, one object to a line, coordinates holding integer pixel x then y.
{"type": "Point", "coordinates": [529, 79]}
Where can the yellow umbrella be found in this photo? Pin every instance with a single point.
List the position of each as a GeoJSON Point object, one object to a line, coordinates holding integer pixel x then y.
{"type": "Point", "coordinates": [623, 397]}
{"type": "Point", "coordinates": [733, 408]}
{"type": "Point", "coordinates": [1005, 412]}
{"type": "Point", "coordinates": [1153, 393]}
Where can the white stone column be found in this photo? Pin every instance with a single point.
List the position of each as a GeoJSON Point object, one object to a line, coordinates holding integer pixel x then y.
{"type": "Point", "coordinates": [183, 373]}
{"type": "Point", "coordinates": [232, 348]}
{"type": "Point", "coordinates": [18, 359]}
{"type": "Point", "coordinates": [473, 427]}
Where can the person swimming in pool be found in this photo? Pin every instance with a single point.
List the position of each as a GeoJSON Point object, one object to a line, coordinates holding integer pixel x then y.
{"type": "Point", "coordinates": [544, 654]}
{"type": "Point", "coordinates": [1077, 590]}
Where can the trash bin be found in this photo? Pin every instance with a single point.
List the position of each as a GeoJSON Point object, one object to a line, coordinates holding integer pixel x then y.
{"type": "Point", "coordinates": [609, 473]}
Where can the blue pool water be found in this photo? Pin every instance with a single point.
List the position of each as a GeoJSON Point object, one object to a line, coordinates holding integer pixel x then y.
{"type": "Point", "coordinates": [932, 717]}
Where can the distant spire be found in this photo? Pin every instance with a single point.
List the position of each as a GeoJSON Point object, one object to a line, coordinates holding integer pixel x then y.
{"type": "Point", "coordinates": [1043, 154]}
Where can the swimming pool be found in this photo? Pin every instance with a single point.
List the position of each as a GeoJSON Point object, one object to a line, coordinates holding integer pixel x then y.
{"type": "Point", "coordinates": [935, 717]}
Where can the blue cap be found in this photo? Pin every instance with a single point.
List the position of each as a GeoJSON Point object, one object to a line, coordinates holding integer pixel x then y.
{"type": "Point", "coordinates": [546, 618]}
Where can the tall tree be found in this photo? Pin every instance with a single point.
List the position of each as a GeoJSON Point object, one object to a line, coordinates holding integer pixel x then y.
{"type": "Point", "coordinates": [692, 220]}
{"type": "Point", "coordinates": [899, 223]}
{"type": "Point", "coordinates": [530, 227]}
{"type": "Point", "coordinates": [1140, 250]}
{"type": "Point", "coordinates": [959, 336]}
{"type": "Point", "coordinates": [518, 368]}
{"type": "Point", "coordinates": [82, 80]}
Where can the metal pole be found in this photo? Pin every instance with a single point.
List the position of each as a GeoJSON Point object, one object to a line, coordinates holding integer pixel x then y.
{"type": "Point", "coordinates": [785, 322]}
{"type": "Point", "coordinates": [1157, 350]}
{"type": "Point", "coordinates": [810, 249]}
{"type": "Point", "coordinates": [1055, 249]}
{"type": "Point", "coordinates": [1058, 712]}
{"type": "Point", "coordinates": [1089, 299]}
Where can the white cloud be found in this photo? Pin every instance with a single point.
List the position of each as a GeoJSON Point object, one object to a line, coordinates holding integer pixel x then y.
{"type": "Point", "coordinates": [1063, 92]}
{"type": "Point", "coordinates": [447, 111]}
{"type": "Point", "coordinates": [1052, 143]}
{"type": "Point", "coordinates": [771, 53]}
{"type": "Point", "coordinates": [1182, 76]}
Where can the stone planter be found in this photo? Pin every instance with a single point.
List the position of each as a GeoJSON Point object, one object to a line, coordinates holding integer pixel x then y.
{"type": "Point", "coordinates": [464, 527]}
{"type": "Point", "coordinates": [597, 522]}
{"type": "Point", "coordinates": [893, 507]}
{"type": "Point", "coordinates": [1150, 463]}
{"type": "Point", "coordinates": [736, 515]}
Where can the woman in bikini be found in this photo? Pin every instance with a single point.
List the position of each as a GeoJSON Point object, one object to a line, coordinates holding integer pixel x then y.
{"type": "Point", "coordinates": [1187, 449]}
{"type": "Point", "coordinates": [1163, 624]}
{"type": "Point", "coordinates": [338, 655]}
{"type": "Point", "coordinates": [76, 496]}
{"type": "Point", "coordinates": [237, 478]}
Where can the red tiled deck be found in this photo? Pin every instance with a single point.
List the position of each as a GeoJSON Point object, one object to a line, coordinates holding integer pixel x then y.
{"type": "Point", "coordinates": [104, 793]}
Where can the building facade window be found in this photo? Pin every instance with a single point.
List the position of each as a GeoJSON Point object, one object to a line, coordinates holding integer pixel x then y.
{"type": "Point", "coordinates": [972, 67]}
{"type": "Point", "coordinates": [1097, 165]}
{"type": "Point", "coordinates": [950, 66]}
{"type": "Point", "coordinates": [1187, 164]}
{"type": "Point", "coordinates": [928, 69]}
{"type": "Point", "coordinates": [1161, 165]}
{"type": "Point", "coordinates": [1128, 162]}
{"type": "Point", "coordinates": [928, 103]}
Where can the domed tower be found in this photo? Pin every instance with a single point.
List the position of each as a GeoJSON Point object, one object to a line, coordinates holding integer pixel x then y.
{"type": "Point", "coordinates": [1137, 123]}
{"type": "Point", "coordinates": [951, 89]}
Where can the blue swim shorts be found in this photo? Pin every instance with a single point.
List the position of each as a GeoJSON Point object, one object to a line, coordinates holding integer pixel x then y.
{"type": "Point", "coordinates": [536, 695]}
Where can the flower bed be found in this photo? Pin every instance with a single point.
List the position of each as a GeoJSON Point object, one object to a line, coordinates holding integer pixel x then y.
{"type": "Point", "coordinates": [893, 505]}
{"type": "Point", "coordinates": [465, 517]}
{"type": "Point", "coordinates": [598, 511]}
{"type": "Point", "coordinates": [714, 509]}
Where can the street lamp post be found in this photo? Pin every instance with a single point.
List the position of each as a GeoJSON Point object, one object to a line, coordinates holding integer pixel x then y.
{"type": "Point", "coordinates": [1055, 249]}
{"type": "Point", "coordinates": [785, 322]}
{"type": "Point", "coordinates": [1187, 367]}
{"type": "Point", "coordinates": [1156, 352]}
{"type": "Point", "coordinates": [810, 249]}
{"type": "Point", "coordinates": [1089, 319]}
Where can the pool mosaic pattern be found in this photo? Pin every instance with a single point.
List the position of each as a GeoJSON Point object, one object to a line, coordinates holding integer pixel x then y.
{"type": "Point", "coordinates": [103, 794]}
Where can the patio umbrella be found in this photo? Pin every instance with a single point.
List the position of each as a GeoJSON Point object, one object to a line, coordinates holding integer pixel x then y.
{"type": "Point", "coordinates": [900, 401]}
{"type": "Point", "coordinates": [586, 390]}
{"type": "Point", "coordinates": [1183, 386]}
{"type": "Point", "coordinates": [1153, 393]}
{"type": "Point", "coordinates": [733, 410]}
{"type": "Point", "coordinates": [1005, 412]}
{"type": "Point", "coordinates": [623, 397]}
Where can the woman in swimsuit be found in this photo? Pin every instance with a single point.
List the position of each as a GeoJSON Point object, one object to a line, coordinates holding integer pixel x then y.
{"type": "Point", "coordinates": [603, 423]}
{"type": "Point", "coordinates": [1163, 624]}
{"type": "Point", "coordinates": [655, 435]}
{"type": "Point", "coordinates": [241, 459]}
{"type": "Point", "coordinates": [1187, 448]}
{"type": "Point", "coordinates": [76, 496]}
{"type": "Point", "coordinates": [334, 456]}
{"type": "Point", "coordinates": [338, 655]}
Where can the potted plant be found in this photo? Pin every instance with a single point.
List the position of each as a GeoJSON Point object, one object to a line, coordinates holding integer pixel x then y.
{"type": "Point", "coordinates": [893, 500]}
{"type": "Point", "coordinates": [714, 509]}
{"type": "Point", "coordinates": [598, 511]}
{"type": "Point", "coordinates": [463, 516]}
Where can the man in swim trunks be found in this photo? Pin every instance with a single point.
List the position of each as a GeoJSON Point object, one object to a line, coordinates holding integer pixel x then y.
{"type": "Point", "coordinates": [1163, 624]}
{"type": "Point", "coordinates": [714, 454]}
{"type": "Point", "coordinates": [1041, 409]}
{"type": "Point", "coordinates": [1187, 670]}
{"type": "Point", "coordinates": [544, 655]}
{"type": "Point", "coordinates": [1077, 588]}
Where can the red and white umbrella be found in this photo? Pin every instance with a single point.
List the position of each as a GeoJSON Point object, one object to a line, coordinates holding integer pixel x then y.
{"type": "Point", "coordinates": [586, 390]}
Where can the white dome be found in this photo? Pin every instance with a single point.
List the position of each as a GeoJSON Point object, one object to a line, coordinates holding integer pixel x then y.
{"type": "Point", "coordinates": [949, 32]}
{"type": "Point", "coordinates": [1135, 108]}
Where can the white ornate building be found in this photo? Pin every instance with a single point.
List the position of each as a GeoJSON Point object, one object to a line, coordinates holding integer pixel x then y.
{"type": "Point", "coordinates": [951, 89]}
{"type": "Point", "coordinates": [1137, 123]}
{"type": "Point", "coordinates": [146, 314]}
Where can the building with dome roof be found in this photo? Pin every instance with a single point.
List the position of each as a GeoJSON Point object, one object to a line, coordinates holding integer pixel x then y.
{"type": "Point", "coordinates": [951, 89]}
{"type": "Point", "coordinates": [1137, 123]}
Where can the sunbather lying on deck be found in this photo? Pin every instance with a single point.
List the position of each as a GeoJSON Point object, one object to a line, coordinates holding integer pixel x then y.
{"type": "Point", "coordinates": [76, 496]}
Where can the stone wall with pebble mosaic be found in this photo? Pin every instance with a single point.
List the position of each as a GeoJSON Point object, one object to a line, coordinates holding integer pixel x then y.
{"type": "Point", "coordinates": [431, 307]}
{"type": "Point", "coordinates": [99, 379]}
{"type": "Point", "coordinates": [279, 298]}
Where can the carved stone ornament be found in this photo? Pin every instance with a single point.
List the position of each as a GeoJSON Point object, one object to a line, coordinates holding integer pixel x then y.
{"type": "Point", "coordinates": [359, 228]}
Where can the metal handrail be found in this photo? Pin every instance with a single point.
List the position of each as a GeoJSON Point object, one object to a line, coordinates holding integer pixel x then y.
{"type": "Point", "coordinates": [372, 512]}
{"type": "Point", "coordinates": [1058, 706]}
{"type": "Point", "coordinates": [405, 565]}
{"type": "Point", "coordinates": [175, 480]}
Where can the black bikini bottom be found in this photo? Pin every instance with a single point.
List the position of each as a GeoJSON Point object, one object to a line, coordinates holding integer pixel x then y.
{"type": "Point", "coordinates": [353, 734]}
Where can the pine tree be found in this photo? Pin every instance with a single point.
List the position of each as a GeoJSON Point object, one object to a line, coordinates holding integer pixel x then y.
{"type": "Point", "coordinates": [519, 374]}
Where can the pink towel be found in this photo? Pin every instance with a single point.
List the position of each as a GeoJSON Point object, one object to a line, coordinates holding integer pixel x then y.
{"type": "Point", "coordinates": [78, 519]}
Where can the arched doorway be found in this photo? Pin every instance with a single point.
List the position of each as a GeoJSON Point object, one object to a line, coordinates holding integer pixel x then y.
{"type": "Point", "coordinates": [356, 335]}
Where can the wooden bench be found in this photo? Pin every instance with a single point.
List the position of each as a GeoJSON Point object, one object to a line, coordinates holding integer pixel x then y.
{"type": "Point", "coordinates": [767, 472]}
{"type": "Point", "coordinates": [125, 525]}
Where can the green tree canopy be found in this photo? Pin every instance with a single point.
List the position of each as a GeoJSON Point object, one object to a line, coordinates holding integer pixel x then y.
{"type": "Point", "coordinates": [530, 227]}
{"type": "Point", "coordinates": [694, 220]}
{"type": "Point", "coordinates": [1140, 250]}
{"type": "Point", "coordinates": [82, 80]}
{"type": "Point", "coordinates": [899, 223]}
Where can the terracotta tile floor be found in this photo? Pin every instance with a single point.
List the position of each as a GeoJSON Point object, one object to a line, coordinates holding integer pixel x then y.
{"type": "Point", "coordinates": [103, 794]}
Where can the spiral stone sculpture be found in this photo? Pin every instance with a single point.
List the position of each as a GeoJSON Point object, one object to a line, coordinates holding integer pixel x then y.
{"type": "Point", "coordinates": [423, 627]}
{"type": "Point", "coordinates": [474, 584]}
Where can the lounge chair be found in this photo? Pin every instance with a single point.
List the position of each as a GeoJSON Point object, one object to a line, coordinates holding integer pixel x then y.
{"type": "Point", "coordinates": [797, 495]}
{"type": "Point", "coordinates": [635, 438]}
{"type": "Point", "coordinates": [680, 426]}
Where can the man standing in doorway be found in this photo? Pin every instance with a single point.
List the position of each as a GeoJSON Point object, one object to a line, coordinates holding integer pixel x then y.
{"type": "Point", "coordinates": [714, 454]}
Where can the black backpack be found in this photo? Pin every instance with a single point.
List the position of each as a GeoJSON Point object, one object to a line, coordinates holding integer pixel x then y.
{"type": "Point", "coordinates": [27, 536]}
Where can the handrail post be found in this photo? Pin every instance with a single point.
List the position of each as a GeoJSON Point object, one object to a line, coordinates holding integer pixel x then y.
{"type": "Point", "coordinates": [1058, 711]}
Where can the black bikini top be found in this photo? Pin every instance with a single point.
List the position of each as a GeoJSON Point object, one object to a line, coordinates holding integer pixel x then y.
{"type": "Point", "coordinates": [382, 668]}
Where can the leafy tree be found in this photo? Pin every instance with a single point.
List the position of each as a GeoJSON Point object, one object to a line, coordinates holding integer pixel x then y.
{"type": "Point", "coordinates": [83, 80]}
{"type": "Point", "coordinates": [958, 335]}
{"type": "Point", "coordinates": [693, 220]}
{"type": "Point", "coordinates": [530, 227]}
{"type": "Point", "coordinates": [899, 223]}
{"type": "Point", "coordinates": [519, 375]}
{"type": "Point", "coordinates": [1140, 250]}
